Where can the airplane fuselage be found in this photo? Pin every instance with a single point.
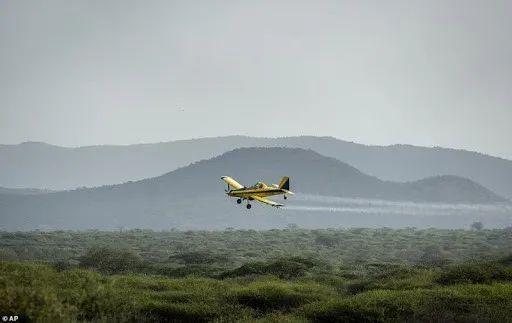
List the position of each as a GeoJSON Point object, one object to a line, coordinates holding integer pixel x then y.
{"type": "Point", "coordinates": [246, 193]}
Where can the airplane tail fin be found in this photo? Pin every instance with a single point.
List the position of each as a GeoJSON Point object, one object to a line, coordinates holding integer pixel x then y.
{"type": "Point", "coordinates": [284, 184]}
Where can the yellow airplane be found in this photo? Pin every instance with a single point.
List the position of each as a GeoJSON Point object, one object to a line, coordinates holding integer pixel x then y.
{"type": "Point", "coordinates": [257, 192]}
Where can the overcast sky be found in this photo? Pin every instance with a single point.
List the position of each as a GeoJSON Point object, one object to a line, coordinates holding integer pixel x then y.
{"type": "Point", "coordinates": [433, 73]}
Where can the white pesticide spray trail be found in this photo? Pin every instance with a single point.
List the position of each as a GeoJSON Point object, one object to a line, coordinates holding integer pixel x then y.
{"type": "Point", "coordinates": [337, 209]}
{"type": "Point", "coordinates": [316, 203]}
{"type": "Point", "coordinates": [362, 210]}
{"type": "Point", "coordinates": [323, 199]}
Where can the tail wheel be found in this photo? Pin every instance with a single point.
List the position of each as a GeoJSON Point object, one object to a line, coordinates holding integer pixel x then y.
{"type": "Point", "coordinates": [248, 206]}
{"type": "Point", "coordinates": [285, 197]}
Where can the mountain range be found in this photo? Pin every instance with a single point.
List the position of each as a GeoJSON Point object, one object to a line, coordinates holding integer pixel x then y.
{"type": "Point", "coordinates": [41, 165]}
{"type": "Point", "coordinates": [193, 196]}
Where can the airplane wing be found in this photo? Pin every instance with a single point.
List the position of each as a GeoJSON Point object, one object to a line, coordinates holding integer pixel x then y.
{"type": "Point", "coordinates": [231, 182]}
{"type": "Point", "coordinates": [266, 201]}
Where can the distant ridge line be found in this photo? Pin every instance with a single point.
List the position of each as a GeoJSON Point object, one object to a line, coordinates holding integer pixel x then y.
{"type": "Point", "coordinates": [253, 137]}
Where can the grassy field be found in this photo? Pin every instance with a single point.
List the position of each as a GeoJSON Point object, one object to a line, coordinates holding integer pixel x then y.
{"type": "Point", "coordinates": [372, 275]}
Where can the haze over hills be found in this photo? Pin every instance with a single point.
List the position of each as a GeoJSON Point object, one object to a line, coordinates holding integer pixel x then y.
{"type": "Point", "coordinates": [193, 196]}
{"type": "Point", "coordinates": [45, 166]}
{"type": "Point", "coordinates": [23, 191]}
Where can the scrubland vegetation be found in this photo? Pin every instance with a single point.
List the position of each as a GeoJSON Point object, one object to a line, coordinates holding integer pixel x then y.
{"type": "Point", "coordinates": [294, 275]}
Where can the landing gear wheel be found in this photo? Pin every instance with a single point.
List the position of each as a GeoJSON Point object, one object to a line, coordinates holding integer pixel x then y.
{"type": "Point", "coordinates": [285, 197]}
{"type": "Point", "coordinates": [248, 206]}
{"type": "Point", "coordinates": [239, 201]}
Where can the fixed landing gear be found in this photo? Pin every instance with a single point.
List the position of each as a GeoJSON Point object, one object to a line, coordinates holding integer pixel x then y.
{"type": "Point", "coordinates": [285, 197]}
{"type": "Point", "coordinates": [248, 206]}
{"type": "Point", "coordinates": [239, 201]}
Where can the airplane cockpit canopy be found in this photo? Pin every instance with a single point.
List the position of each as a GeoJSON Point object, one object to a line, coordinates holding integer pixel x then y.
{"type": "Point", "coordinates": [260, 185]}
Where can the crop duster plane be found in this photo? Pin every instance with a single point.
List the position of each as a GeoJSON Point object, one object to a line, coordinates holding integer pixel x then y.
{"type": "Point", "coordinates": [258, 191]}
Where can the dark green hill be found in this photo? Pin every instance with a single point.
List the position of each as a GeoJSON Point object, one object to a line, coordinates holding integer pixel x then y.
{"type": "Point", "coordinates": [193, 195]}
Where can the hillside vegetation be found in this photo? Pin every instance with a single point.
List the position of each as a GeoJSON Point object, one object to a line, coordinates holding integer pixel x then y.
{"type": "Point", "coordinates": [232, 248]}
{"type": "Point", "coordinates": [292, 275]}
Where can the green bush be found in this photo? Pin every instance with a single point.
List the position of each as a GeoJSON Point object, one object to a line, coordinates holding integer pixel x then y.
{"type": "Point", "coordinates": [462, 303]}
{"type": "Point", "coordinates": [389, 276]}
{"type": "Point", "coordinates": [327, 240]}
{"type": "Point", "coordinates": [341, 312]}
{"type": "Point", "coordinates": [192, 269]}
{"type": "Point", "coordinates": [37, 304]}
{"type": "Point", "coordinates": [269, 295]}
{"type": "Point", "coordinates": [506, 261]}
{"type": "Point", "coordinates": [199, 257]}
{"type": "Point", "coordinates": [476, 273]}
{"type": "Point", "coordinates": [166, 311]}
{"type": "Point", "coordinates": [467, 303]}
{"type": "Point", "coordinates": [359, 286]}
{"type": "Point", "coordinates": [62, 265]}
{"type": "Point", "coordinates": [109, 260]}
{"type": "Point", "coordinates": [284, 268]}
{"type": "Point", "coordinates": [28, 290]}
{"type": "Point", "coordinates": [40, 293]}
{"type": "Point", "coordinates": [355, 275]}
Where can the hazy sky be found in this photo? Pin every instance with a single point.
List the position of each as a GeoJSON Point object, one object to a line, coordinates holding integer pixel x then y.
{"type": "Point", "coordinates": [434, 73]}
